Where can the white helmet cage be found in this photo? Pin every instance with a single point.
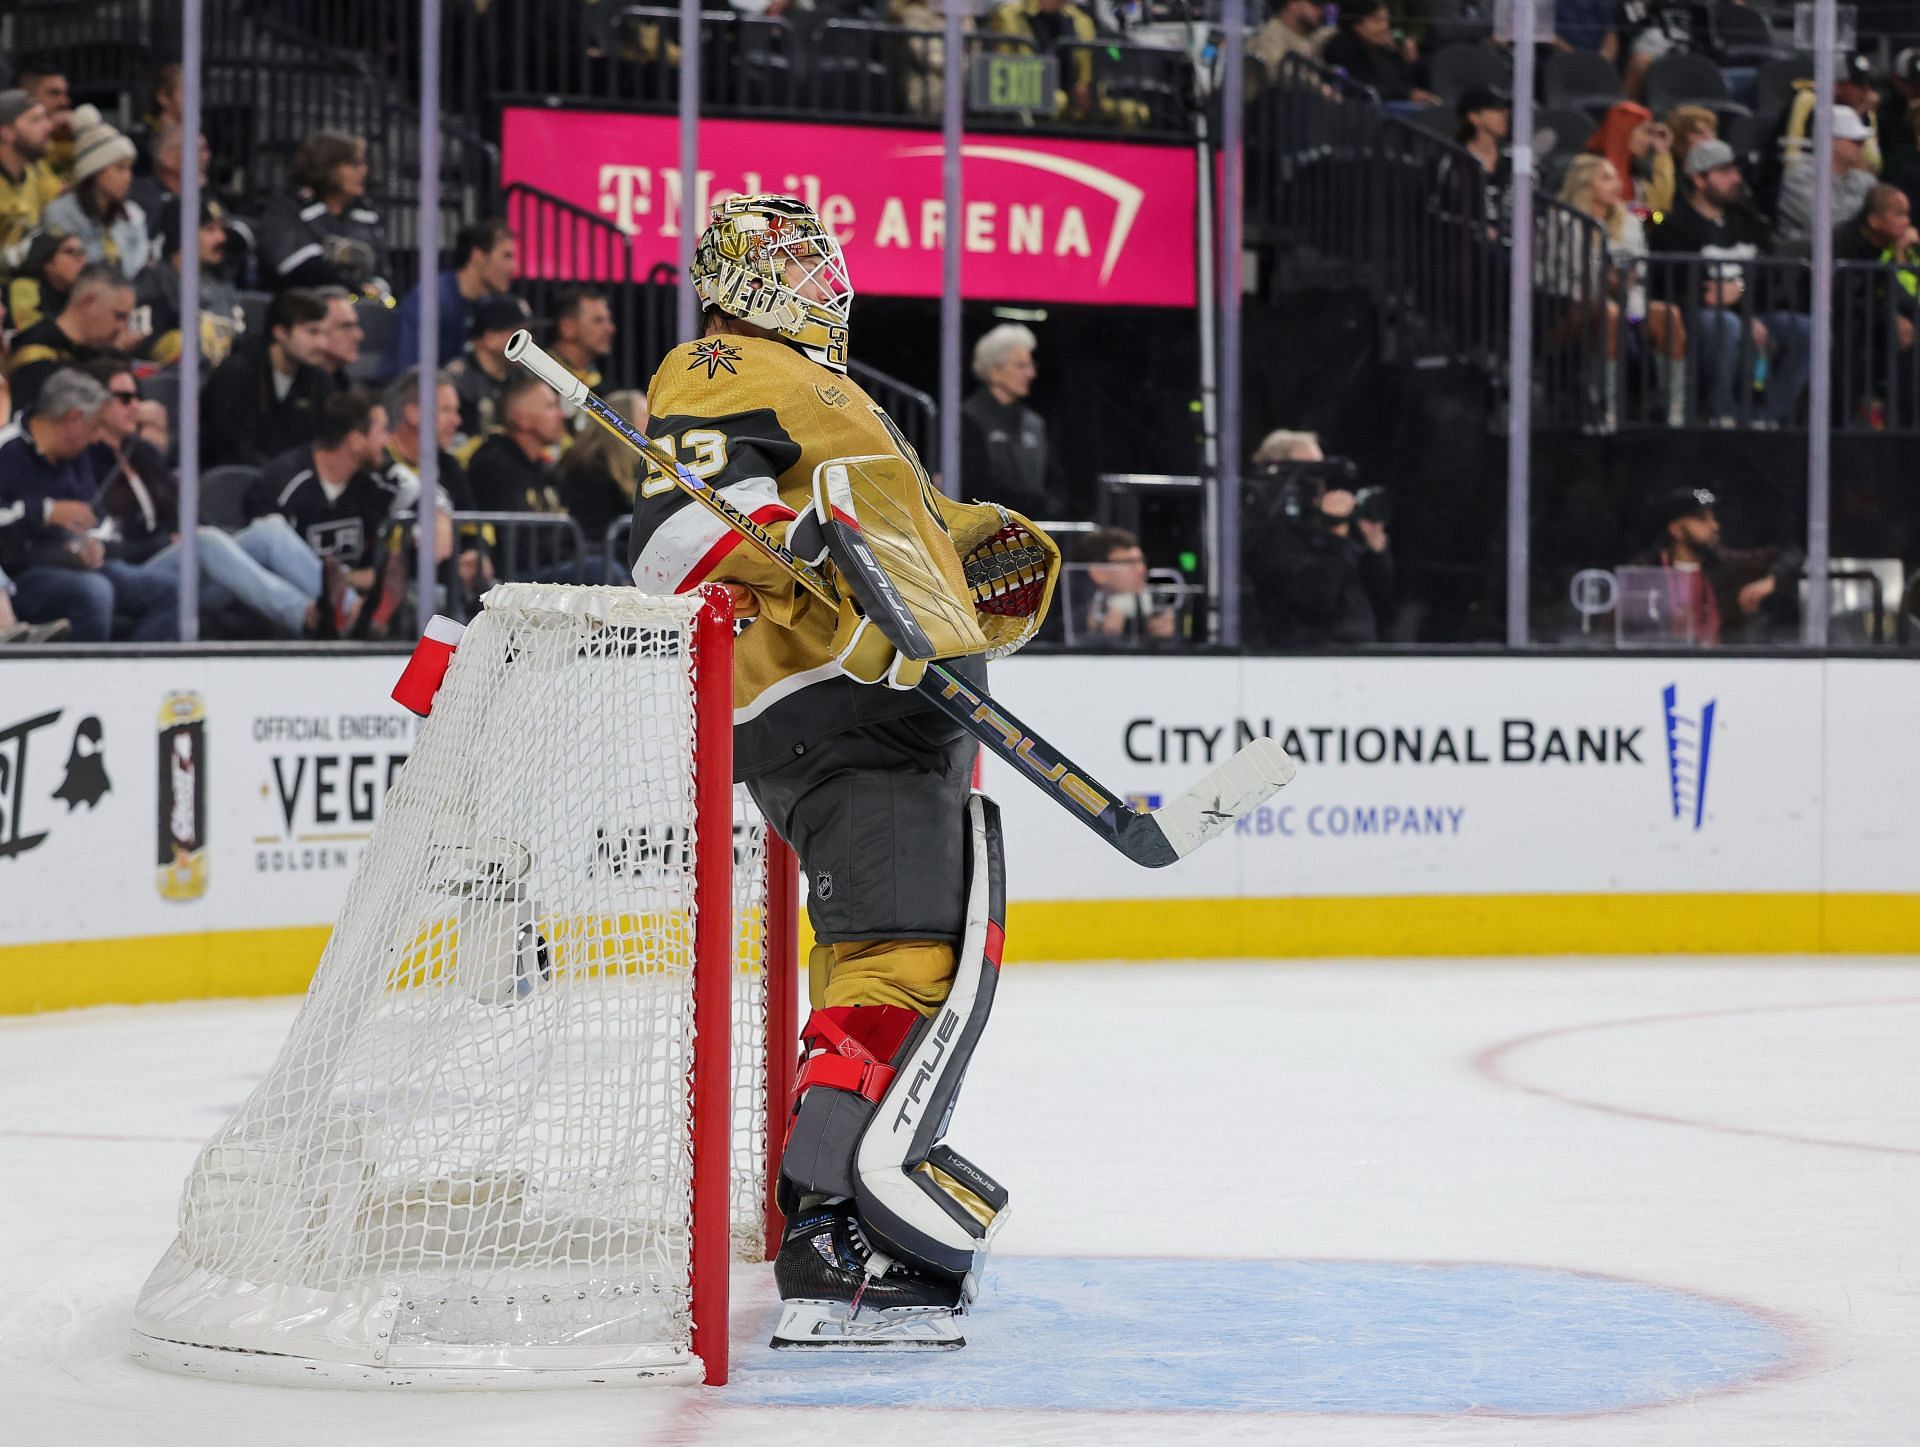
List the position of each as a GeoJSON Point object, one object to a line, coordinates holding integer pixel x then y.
{"type": "Point", "coordinates": [769, 260]}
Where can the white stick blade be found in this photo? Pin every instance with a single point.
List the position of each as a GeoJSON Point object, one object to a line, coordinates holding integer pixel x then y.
{"type": "Point", "coordinates": [1210, 807]}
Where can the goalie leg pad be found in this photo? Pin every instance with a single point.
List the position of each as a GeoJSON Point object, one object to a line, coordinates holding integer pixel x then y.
{"type": "Point", "coordinates": [877, 1089]}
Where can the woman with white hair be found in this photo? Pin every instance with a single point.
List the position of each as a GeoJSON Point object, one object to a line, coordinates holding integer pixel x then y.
{"type": "Point", "coordinates": [1004, 456]}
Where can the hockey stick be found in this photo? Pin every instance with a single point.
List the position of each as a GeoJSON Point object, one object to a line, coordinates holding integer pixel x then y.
{"type": "Point", "coordinates": [1149, 837]}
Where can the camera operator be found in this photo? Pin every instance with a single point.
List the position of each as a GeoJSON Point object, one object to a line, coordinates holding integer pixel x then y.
{"type": "Point", "coordinates": [1315, 568]}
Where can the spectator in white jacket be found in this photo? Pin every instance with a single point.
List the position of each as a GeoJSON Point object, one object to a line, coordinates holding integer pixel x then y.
{"type": "Point", "coordinates": [97, 210]}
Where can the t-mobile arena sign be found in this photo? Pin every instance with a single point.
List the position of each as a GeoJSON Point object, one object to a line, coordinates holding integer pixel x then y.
{"type": "Point", "coordinates": [1044, 220]}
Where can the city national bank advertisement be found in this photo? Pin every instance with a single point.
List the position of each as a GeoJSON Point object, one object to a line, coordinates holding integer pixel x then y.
{"type": "Point", "coordinates": [183, 826]}
{"type": "Point", "coordinates": [1042, 220]}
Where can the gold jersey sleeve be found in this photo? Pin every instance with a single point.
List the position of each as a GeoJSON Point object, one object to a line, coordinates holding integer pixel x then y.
{"type": "Point", "coordinates": [752, 418]}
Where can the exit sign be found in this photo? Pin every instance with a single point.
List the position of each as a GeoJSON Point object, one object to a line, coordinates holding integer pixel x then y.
{"type": "Point", "coordinates": [1006, 83]}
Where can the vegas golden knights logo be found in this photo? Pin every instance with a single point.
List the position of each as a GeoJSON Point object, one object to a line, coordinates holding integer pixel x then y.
{"type": "Point", "coordinates": [182, 872]}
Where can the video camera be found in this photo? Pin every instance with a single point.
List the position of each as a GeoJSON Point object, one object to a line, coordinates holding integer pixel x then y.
{"type": "Point", "coordinates": [1297, 488]}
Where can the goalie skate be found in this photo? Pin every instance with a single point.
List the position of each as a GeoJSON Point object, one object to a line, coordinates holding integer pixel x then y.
{"type": "Point", "coordinates": [840, 1294]}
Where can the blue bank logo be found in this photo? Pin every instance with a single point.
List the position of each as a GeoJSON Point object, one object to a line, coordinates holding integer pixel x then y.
{"type": "Point", "coordinates": [1689, 751]}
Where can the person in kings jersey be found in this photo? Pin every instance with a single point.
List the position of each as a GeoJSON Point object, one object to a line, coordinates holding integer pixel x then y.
{"type": "Point", "coordinates": [887, 1225]}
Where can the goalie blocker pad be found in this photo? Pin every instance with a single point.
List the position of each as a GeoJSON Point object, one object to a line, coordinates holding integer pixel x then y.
{"type": "Point", "coordinates": [892, 549]}
{"type": "Point", "coordinates": [877, 1089]}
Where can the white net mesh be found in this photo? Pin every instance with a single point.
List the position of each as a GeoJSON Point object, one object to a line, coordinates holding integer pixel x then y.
{"type": "Point", "coordinates": [473, 1150]}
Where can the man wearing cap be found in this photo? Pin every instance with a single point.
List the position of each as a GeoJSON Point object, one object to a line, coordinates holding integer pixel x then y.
{"type": "Point", "coordinates": [1852, 180]}
{"type": "Point", "coordinates": [489, 257]}
{"type": "Point", "coordinates": [1711, 220]}
{"type": "Point", "coordinates": [1485, 118]}
{"type": "Point", "coordinates": [1852, 88]}
{"type": "Point", "coordinates": [1713, 593]}
{"type": "Point", "coordinates": [157, 291]}
{"type": "Point", "coordinates": [480, 371]}
{"type": "Point", "coordinates": [97, 209]}
{"type": "Point", "coordinates": [27, 183]}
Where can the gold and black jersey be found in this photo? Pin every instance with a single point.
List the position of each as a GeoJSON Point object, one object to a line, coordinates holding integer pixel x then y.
{"type": "Point", "coordinates": [753, 418]}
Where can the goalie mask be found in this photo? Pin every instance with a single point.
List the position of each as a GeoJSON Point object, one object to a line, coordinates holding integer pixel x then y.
{"type": "Point", "coordinates": [768, 260]}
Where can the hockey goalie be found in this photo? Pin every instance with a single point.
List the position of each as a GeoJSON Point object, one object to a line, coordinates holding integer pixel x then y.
{"type": "Point", "coordinates": [887, 1224]}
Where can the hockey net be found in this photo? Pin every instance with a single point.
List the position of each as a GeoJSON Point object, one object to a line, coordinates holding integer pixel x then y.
{"type": "Point", "coordinates": [500, 1144]}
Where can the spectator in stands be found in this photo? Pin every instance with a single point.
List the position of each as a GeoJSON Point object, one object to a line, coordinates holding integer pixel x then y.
{"type": "Point", "coordinates": [157, 291]}
{"type": "Point", "coordinates": [40, 288]}
{"type": "Point", "coordinates": [325, 234]}
{"type": "Point", "coordinates": [340, 348]}
{"type": "Point", "coordinates": [1589, 25]}
{"type": "Point", "coordinates": [1365, 50]}
{"type": "Point", "coordinates": [1883, 232]}
{"type": "Point", "coordinates": [1852, 89]}
{"type": "Point", "coordinates": [164, 181]}
{"type": "Point", "coordinates": [1715, 595]}
{"type": "Point", "coordinates": [1046, 23]}
{"type": "Point", "coordinates": [1004, 456]}
{"type": "Point", "coordinates": [48, 511]}
{"type": "Point", "coordinates": [15, 629]}
{"type": "Point", "coordinates": [1484, 117]}
{"type": "Point", "coordinates": [1323, 577]}
{"type": "Point", "coordinates": [113, 228]}
{"type": "Point", "coordinates": [1593, 188]}
{"type": "Point", "coordinates": [473, 567]}
{"type": "Point", "coordinates": [1712, 222]}
{"type": "Point", "coordinates": [1852, 180]}
{"type": "Point", "coordinates": [1296, 27]}
{"type": "Point", "coordinates": [1121, 606]}
{"type": "Point", "coordinates": [488, 257]}
{"type": "Point", "coordinates": [334, 492]}
{"type": "Point", "coordinates": [600, 475]}
{"type": "Point", "coordinates": [166, 111]}
{"type": "Point", "coordinates": [265, 569]}
{"type": "Point", "coordinates": [513, 469]}
{"type": "Point", "coordinates": [1903, 162]}
{"type": "Point", "coordinates": [49, 88]}
{"type": "Point", "coordinates": [481, 370]}
{"type": "Point", "coordinates": [1689, 125]}
{"type": "Point", "coordinates": [919, 60]}
{"type": "Point", "coordinates": [1641, 150]}
{"type": "Point", "coordinates": [1894, 122]}
{"type": "Point", "coordinates": [91, 324]}
{"type": "Point", "coordinates": [28, 184]}
{"type": "Point", "coordinates": [267, 397]}
{"type": "Point", "coordinates": [582, 336]}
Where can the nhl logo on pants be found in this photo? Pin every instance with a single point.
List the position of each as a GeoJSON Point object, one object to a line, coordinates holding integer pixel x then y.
{"type": "Point", "coordinates": [823, 884]}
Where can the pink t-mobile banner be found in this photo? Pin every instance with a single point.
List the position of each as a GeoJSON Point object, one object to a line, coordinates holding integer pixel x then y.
{"type": "Point", "coordinates": [1044, 220]}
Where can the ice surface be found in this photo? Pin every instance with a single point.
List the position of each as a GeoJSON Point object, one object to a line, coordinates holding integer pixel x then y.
{"type": "Point", "coordinates": [1558, 1203]}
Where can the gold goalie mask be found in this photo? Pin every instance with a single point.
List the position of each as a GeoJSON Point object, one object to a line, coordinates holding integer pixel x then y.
{"type": "Point", "coordinates": [769, 260]}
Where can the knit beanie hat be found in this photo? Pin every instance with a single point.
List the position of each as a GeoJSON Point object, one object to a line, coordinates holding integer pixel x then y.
{"type": "Point", "coordinates": [98, 147]}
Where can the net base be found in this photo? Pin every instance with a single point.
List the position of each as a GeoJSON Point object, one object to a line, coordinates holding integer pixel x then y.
{"type": "Point", "coordinates": [277, 1369]}
{"type": "Point", "coordinates": [509, 1330]}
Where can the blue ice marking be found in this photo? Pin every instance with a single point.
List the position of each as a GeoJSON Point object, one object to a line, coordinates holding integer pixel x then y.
{"type": "Point", "coordinates": [1133, 1335]}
